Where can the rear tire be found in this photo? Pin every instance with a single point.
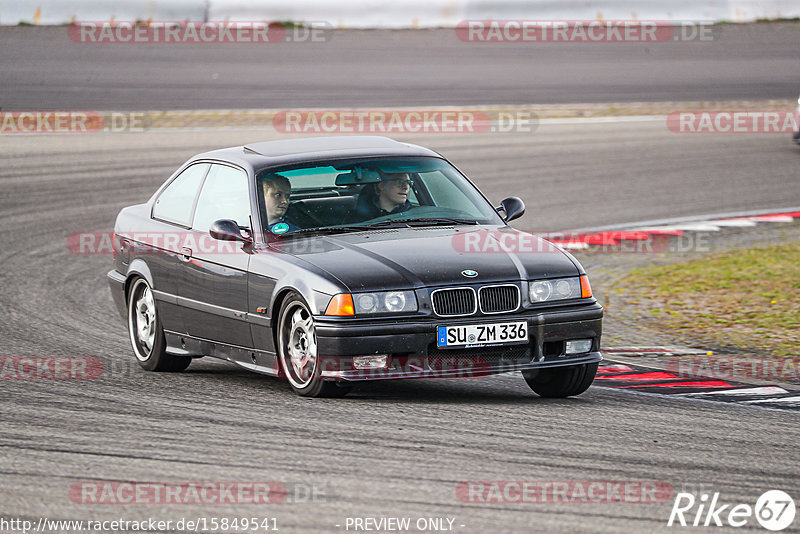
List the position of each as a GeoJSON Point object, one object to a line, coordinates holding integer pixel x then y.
{"type": "Point", "coordinates": [560, 382]}
{"type": "Point", "coordinates": [146, 334]}
{"type": "Point", "coordinates": [297, 351]}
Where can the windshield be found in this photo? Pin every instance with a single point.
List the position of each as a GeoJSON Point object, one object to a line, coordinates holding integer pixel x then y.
{"type": "Point", "coordinates": [358, 194]}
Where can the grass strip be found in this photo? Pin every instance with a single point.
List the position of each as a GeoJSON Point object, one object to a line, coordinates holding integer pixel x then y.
{"type": "Point", "coordinates": [744, 298]}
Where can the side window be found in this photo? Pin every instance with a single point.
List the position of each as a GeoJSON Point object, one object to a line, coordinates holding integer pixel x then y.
{"type": "Point", "coordinates": [225, 195]}
{"type": "Point", "coordinates": [175, 203]}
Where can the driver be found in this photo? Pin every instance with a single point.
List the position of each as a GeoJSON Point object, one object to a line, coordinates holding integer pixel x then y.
{"type": "Point", "coordinates": [277, 191]}
{"type": "Point", "coordinates": [386, 197]}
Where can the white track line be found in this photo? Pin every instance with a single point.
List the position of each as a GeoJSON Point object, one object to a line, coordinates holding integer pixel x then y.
{"type": "Point", "coordinates": [653, 351]}
{"type": "Point", "coordinates": [669, 223]}
{"type": "Point", "coordinates": [785, 400]}
{"type": "Point", "coordinates": [773, 218]}
{"type": "Point", "coordinates": [766, 390]}
{"type": "Point", "coordinates": [712, 401]}
{"type": "Point", "coordinates": [701, 226]}
{"type": "Point", "coordinates": [654, 229]}
{"type": "Point", "coordinates": [734, 222]}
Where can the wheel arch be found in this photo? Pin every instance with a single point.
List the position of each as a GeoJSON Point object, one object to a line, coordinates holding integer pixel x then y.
{"type": "Point", "coordinates": [277, 302]}
{"type": "Point", "coordinates": [137, 269]}
{"type": "Point", "coordinates": [310, 298]}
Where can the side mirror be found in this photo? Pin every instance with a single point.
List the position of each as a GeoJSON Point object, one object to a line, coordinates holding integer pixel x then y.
{"type": "Point", "coordinates": [227, 230]}
{"type": "Point", "coordinates": [513, 207]}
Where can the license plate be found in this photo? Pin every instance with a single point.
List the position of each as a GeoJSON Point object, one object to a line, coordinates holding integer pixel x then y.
{"type": "Point", "coordinates": [477, 335]}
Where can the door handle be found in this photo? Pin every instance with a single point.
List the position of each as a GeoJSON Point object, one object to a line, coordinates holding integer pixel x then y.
{"type": "Point", "coordinates": [186, 254]}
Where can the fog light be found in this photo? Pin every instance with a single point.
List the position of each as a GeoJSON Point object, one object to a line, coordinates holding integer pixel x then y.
{"type": "Point", "coordinates": [373, 361]}
{"type": "Point", "coordinates": [578, 346]}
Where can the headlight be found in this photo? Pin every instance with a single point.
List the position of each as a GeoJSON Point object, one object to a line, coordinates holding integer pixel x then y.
{"type": "Point", "coordinates": [366, 303]}
{"type": "Point", "coordinates": [559, 289]}
{"type": "Point", "coordinates": [385, 302]}
{"type": "Point", "coordinates": [395, 301]}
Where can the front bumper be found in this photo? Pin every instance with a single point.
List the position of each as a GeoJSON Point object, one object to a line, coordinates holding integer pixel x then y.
{"type": "Point", "coordinates": [413, 353]}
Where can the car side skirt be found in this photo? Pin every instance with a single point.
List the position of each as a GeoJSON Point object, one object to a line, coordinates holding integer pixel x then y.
{"type": "Point", "coordinates": [252, 359]}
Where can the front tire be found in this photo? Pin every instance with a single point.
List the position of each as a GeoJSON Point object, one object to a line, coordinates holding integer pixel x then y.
{"type": "Point", "coordinates": [146, 334]}
{"type": "Point", "coordinates": [297, 351]}
{"type": "Point", "coordinates": [560, 382]}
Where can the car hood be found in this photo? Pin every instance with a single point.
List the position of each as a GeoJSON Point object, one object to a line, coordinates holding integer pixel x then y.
{"type": "Point", "coordinates": [419, 257]}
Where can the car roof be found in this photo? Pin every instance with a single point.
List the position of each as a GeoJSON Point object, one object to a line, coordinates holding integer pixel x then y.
{"type": "Point", "coordinates": [286, 152]}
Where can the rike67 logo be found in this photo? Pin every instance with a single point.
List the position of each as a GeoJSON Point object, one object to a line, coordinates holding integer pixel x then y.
{"type": "Point", "coordinates": [774, 510]}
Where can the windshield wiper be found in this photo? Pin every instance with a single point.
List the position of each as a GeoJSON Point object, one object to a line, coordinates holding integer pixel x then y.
{"type": "Point", "coordinates": [347, 228]}
{"type": "Point", "coordinates": [436, 221]}
{"type": "Point", "coordinates": [393, 223]}
{"type": "Point", "coordinates": [324, 230]}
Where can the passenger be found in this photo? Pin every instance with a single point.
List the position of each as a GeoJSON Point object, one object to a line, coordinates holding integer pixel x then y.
{"type": "Point", "coordinates": [277, 192]}
{"type": "Point", "coordinates": [386, 197]}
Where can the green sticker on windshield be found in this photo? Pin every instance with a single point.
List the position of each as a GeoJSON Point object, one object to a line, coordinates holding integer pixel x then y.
{"type": "Point", "coordinates": [280, 228]}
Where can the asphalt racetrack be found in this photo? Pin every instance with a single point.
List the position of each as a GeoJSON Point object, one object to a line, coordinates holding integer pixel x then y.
{"type": "Point", "coordinates": [387, 450]}
{"type": "Point", "coordinates": [396, 449]}
{"type": "Point", "coordinates": [43, 69]}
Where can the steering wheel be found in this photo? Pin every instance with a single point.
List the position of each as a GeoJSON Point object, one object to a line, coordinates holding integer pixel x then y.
{"type": "Point", "coordinates": [304, 211]}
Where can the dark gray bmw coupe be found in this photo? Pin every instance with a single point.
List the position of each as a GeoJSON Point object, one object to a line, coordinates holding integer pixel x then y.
{"type": "Point", "coordinates": [329, 261]}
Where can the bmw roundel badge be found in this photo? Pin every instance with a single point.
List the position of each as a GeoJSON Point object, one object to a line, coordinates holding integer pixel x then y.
{"type": "Point", "coordinates": [469, 273]}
